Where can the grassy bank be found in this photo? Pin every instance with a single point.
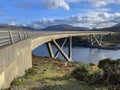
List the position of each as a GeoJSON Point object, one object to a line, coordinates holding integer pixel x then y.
{"type": "Point", "coordinates": [52, 74]}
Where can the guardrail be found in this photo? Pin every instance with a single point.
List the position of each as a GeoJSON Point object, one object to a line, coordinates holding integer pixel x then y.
{"type": "Point", "coordinates": [10, 37]}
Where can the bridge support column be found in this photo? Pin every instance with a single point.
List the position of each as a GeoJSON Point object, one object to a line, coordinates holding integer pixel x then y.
{"type": "Point", "coordinates": [97, 40]}
{"type": "Point", "coordinates": [91, 40]}
{"type": "Point", "coordinates": [57, 53]}
{"type": "Point", "coordinates": [70, 48]}
{"type": "Point", "coordinates": [61, 51]}
{"type": "Point", "coordinates": [49, 47]}
{"type": "Point", "coordinates": [100, 40]}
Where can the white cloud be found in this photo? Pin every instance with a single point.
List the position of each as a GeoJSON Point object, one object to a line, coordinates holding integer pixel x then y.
{"type": "Point", "coordinates": [12, 23]}
{"type": "Point", "coordinates": [103, 2]}
{"type": "Point", "coordinates": [90, 20]}
{"type": "Point", "coordinates": [97, 17]}
{"type": "Point", "coordinates": [73, 1]}
{"type": "Point", "coordinates": [98, 2]}
{"type": "Point", "coordinates": [54, 4]}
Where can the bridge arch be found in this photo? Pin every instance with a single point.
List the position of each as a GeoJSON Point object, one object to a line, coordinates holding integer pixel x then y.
{"type": "Point", "coordinates": [36, 42]}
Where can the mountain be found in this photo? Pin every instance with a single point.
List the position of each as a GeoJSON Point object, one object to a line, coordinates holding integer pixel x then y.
{"type": "Point", "coordinates": [60, 27]}
{"type": "Point", "coordinates": [11, 27]}
{"type": "Point", "coordinates": [63, 27]}
{"type": "Point", "coordinates": [117, 25]}
{"type": "Point", "coordinates": [115, 28]}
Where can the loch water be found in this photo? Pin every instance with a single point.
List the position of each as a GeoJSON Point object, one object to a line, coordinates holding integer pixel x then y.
{"type": "Point", "coordinates": [82, 54]}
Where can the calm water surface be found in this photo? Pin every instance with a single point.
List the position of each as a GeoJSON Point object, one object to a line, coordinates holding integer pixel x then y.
{"type": "Point", "coordinates": [82, 54]}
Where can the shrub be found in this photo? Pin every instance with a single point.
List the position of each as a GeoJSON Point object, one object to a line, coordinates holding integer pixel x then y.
{"type": "Point", "coordinates": [111, 70]}
{"type": "Point", "coordinates": [90, 74]}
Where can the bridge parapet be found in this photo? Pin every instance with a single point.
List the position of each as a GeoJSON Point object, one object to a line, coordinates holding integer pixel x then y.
{"type": "Point", "coordinates": [10, 37]}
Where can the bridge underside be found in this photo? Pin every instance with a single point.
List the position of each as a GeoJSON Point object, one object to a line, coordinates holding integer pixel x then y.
{"type": "Point", "coordinates": [94, 37]}
{"type": "Point", "coordinates": [94, 40]}
{"type": "Point", "coordinates": [60, 50]}
{"type": "Point", "coordinates": [42, 39]}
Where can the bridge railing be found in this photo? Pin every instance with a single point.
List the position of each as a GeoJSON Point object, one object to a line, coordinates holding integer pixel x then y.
{"type": "Point", "coordinates": [10, 37]}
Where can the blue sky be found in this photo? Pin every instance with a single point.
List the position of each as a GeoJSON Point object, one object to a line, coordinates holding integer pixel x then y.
{"type": "Point", "coordinates": [42, 13]}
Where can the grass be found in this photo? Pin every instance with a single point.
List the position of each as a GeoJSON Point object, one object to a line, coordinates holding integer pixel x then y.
{"type": "Point", "coordinates": [51, 74]}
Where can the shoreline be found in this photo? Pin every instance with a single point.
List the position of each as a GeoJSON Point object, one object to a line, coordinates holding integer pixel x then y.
{"type": "Point", "coordinates": [106, 47]}
{"type": "Point", "coordinates": [98, 47]}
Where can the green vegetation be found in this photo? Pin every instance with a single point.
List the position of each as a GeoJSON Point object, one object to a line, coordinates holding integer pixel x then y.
{"type": "Point", "coordinates": [47, 74]}
{"type": "Point", "coordinates": [106, 74]}
{"type": "Point", "coordinates": [90, 74]}
{"type": "Point", "coordinates": [112, 39]}
{"type": "Point", "coordinates": [21, 80]}
{"type": "Point", "coordinates": [52, 74]}
{"type": "Point", "coordinates": [111, 71]}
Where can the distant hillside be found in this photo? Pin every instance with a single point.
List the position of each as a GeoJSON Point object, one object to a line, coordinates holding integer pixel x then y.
{"type": "Point", "coordinates": [114, 29]}
{"type": "Point", "coordinates": [63, 27]}
{"type": "Point", "coordinates": [118, 25]}
{"type": "Point", "coordinates": [11, 27]}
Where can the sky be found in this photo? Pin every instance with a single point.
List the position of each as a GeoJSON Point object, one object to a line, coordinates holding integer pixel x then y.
{"type": "Point", "coordinates": [43, 13]}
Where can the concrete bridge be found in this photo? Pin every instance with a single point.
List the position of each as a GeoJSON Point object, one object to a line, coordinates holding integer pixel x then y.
{"type": "Point", "coordinates": [16, 48]}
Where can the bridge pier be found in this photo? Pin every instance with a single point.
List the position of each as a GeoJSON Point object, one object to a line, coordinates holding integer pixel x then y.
{"type": "Point", "coordinates": [96, 40]}
{"type": "Point", "coordinates": [101, 39]}
{"type": "Point", "coordinates": [49, 47]}
{"type": "Point", "coordinates": [61, 51]}
{"type": "Point", "coordinates": [70, 48]}
{"type": "Point", "coordinates": [67, 57]}
{"type": "Point", "coordinates": [57, 53]}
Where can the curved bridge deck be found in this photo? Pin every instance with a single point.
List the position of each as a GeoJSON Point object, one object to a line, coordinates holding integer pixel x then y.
{"type": "Point", "coordinates": [49, 36]}
{"type": "Point", "coordinates": [16, 48]}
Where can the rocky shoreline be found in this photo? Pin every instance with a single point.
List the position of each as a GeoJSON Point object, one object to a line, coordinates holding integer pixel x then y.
{"type": "Point", "coordinates": [105, 47]}
{"type": "Point", "coordinates": [99, 47]}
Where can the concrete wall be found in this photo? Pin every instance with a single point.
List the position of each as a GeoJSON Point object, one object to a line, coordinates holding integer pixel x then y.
{"type": "Point", "coordinates": [14, 60]}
